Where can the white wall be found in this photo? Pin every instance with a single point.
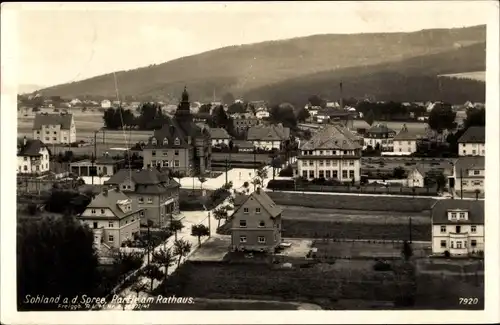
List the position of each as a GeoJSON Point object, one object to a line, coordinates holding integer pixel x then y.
{"type": "Point", "coordinates": [28, 165]}
{"type": "Point", "coordinates": [468, 236]}
{"type": "Point", "coordinates": [471, 149]}
{"type": "Point", "coordinates": [409, 146]}
{"type": "Point", "coordinates": [338, 165]}
{"type": "Point", "coordinates": [267, 145]}
{"type": "Point", "coordinates": [385, 143]}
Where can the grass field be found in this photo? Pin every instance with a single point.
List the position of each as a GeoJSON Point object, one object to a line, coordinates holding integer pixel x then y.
{"type": "Point", "coordinates": [353, 202]}
{"type": "Point", "coordinates": [330, 249]}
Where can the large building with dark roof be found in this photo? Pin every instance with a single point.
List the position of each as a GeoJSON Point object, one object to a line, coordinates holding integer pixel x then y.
{"type": "Point", "coordinates": [181, 144]}
{"type": "Point", "coordinates": [154, 191]}
{"type": "Point", "coordinates": [406, 141]}
{"type": "Point", "coordinates": [54, 128]}
{"type": "Point", "coordinates": [33, 157]}
{"type": "Point", "coordinates": [332, 153]}
{"type": "Point", "coordinates": [457, 227]}
{"type": "Point", "coordinates": [379, 136]}
{"type": "Point", "coordinates": [472, 142]}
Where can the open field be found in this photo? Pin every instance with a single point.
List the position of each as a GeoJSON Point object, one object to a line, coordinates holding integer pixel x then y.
{"type": "Point", "coordinates": [352, 202]}
{"type": "Point", "coordinates": [359, 250]}
{"type": "Point", "coordinates": [475, 75]}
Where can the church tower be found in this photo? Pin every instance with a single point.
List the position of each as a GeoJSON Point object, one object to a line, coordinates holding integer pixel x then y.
{"type": "Point", "coordinates": [183, 109]}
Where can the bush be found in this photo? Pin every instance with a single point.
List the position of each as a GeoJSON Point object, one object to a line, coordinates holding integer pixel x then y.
{"type": "Point", "coordinates": [281, 184]}
{"type": "Point", "coordinates": [382, 266]}
{"type": "Point", "coordinates": [286, 172]}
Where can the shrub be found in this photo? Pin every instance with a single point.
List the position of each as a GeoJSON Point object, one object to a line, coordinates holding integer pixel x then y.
{"type": "Point", "coordinates": [281, 184]}
{"type": "Point", "coordinates": [286, 172]}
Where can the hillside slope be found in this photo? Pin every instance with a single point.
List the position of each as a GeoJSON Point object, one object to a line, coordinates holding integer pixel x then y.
{"type": "Point", "coordinates": [238, 69]}
{"type": "Point", "coordinates": [414, 79]}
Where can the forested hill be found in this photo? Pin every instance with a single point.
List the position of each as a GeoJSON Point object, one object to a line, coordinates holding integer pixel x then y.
{"type": "Point", "coordinates": [241, 69]}
{"type": "Point", "coordinates": [414, 79]}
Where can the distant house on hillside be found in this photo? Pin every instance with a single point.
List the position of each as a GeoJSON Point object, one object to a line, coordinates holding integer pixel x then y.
{"type": "Point", "coordinates": [54, 128]}
{"type": "Point", "coordinates": [105, 104]}
{"type": "Point", "coordinates": [256, 223]}
{"type": "Point", "coordinates": [75, 102]}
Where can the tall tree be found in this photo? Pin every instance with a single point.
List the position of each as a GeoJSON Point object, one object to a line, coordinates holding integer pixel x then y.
{"type": "Point", "coordinates": [175, 226]}
{"type": "Point", "coordinates": [164, 257]}
{"type": "Point", "coordinates": [152, 272]}
{"type": "Point", "coordinates": [205, 108]}
{"type": "Point", "coordinates": [200, 231]}
{"type": "Point", "coordinates": [442, 117]}
{"type": "Point", "coordinates": [302, 114]}
{"type": "Point", "coordinates": [315, 100]}
{"type": "Point", "coordinates": [65, 245]}
{"type": "Point", "coordinates": [370, 117]}
{"type": "Point", "coordinates": [219, 214]}
{"type": "Point", "coordinates": [181, 249]}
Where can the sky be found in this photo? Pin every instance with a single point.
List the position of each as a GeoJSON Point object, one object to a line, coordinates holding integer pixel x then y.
{"type": "Point", "coordinates": [61, 43]}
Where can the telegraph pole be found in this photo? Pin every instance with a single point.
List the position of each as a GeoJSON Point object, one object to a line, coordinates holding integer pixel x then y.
{"type": "Point", "coordinates": [226, 166]}
{"type": "Point", "coordinates": [410, 230]}
{"type": "Point", "coordinates": [461, 185]}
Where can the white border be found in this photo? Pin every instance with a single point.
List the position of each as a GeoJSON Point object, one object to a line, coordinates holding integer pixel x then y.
{"type": "Point", "coordinates": [8, 225]}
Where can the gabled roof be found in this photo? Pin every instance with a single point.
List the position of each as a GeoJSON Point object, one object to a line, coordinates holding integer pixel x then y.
{"type": "Point", "coordinates": [110, 201]}
{"type": "Point", "coordinates": [31, 148]}
{"type": "Point", "coordinates": [263, 199]}
{"type": "Point", "coordinates": [268, 133]}
{"type": "Point", "coordinates": [219, 133]}
{"type": "Point", "coordinates": [379, 129]}
{"type": "Point", "coordinates": [467, 163]}
{"type": "Point", "coordinates": [64, 120]}
{"type": "Point", "coordinates": [475, 209]}
{"type": "Point", "coordinates": [332, 137]}
{"type": "Point", "coordinates": [175, 129]}
{"type": "Point", "coordinates": [409, 134]}
{"type": "Point", "coordinates": [143, 177]}
{"type": "Point", "coordinates": [474, 134]}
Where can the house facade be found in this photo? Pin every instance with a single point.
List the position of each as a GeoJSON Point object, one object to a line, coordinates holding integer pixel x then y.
{"type": "Point", "coordinates": [243, 121]}
{"type": "Point", "coordinates": [54, 128]}
{"type": "Point", "coordinates": [106, 103]}
{"type": "Point", "coordinates": [332, 153]}
{"type": "Point", "coordinates": [153, 190]}
{"type": "Point", "coordinates": [472, 142]}
{"type": "Point", "coordinates": [102, 166]}
{"type": "Point", "coordinates": [33, 157]}
{"type": "Point", "coordinates": [406, 141]}
{"type": "Point", "coordinates": [113, 218]}
{"type": "Point", "coordinates": [180, 144]}
{"type": "Point", "coordinates": [379, 136]}
{"type": "Point", "coordinates": [469, 173]}
{"type": "Point", "coordinates": [457, 227]}
{"type": "Point", "coordinates": [219, 137]}
{"type": "Point", "coordinates": [415, 178]}
{"type": "Point", "coordinates": [268, 137]}
{"type": "Point", "coordinates": [256, 223]}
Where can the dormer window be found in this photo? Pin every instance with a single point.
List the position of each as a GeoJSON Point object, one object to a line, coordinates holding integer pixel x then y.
{"type": "Point", "coordinates": [177, 141]}
{"type": "Point", "coordinates": [462, 215]}
{"type": "Point", "coordinates": [153, 141]}
{"type": "Point", "coordinates": [165, 141]}
{"type": "Point", "coordinates": [453, 215]}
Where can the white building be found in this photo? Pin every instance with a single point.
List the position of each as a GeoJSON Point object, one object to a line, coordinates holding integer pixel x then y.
{"type": "Point", "coordinates": [471, 143]}
{"type": "Point", "coordinates": [54, 128]}
{"type": "Point", "coordinates": [219, 137]}
{"type": "Point", "coordinates": [260, 114]}
{"type": "Point", "coordinates": [457, 227]}
{"type": "Point", "coordinates": [379, 136]}
{"type": "Point", "coordinates": [105, 104]}
{"type": "Point", "coordinates": [406, 141]}
{"type": "Point", "coordinates": [33, 157]}
{"type": "Point", "coordinates": [268, 137]}
{"type": "Point", "coordinates": [332, 153]}
{"type": "Point", "coordinates": [469, 173]}
{"type": "Point", "coordinates": [75, 101]}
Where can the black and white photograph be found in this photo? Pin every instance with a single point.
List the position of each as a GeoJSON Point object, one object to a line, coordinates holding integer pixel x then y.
{"type": "Point", "coordinates": [292, 157]}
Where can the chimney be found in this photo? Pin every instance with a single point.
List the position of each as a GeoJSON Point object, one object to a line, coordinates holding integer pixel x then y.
{"type": "Point", "coordinates": [105, 191]}
{"type": "Point", "coordinates": [25, 140]}
{"type": "Point", "coordinates": [341, 97]}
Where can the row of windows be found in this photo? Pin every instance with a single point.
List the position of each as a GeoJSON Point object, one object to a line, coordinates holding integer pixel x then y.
{"type": "Point", "coordinates": [409, 150]}
{"type": "Point", "coordinates": [32, 158]}
{"type": "Point", "coordinates": [165, 163]}
{"type": "Point", "coordinates": [473, 183]}
{"type": "Point", "coordinates": [37, 168]}
{"type": "Point", "coordinates": [326, 152]}
{"type": "Point", "coordinates": [474, 152]}
{"type": "Point", "coordinates": [260, 239]}
{"type": "Point", "coordinates": [54, 138]}
{"type": "Point", "coordinates": [327, 174]}
{"type": "Point", "coordinates": [246, 210]}
{"type": "Point", "coordinates": [165, 153]}
{"type": "Point", "coordinates": [473, 229]}
{"type": "Point", "coordinates": [165, 141]}
{"type": "Point", "coordinates": [328, 162]}
{"type": "Point", "coordinates": [460, 214]}
{"type": "Point", "coordinates": [380, 135]}
{"type": "Point", "coordinates": [262, 223]}
{"type": "Point", "coordinates": [473, 243]}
